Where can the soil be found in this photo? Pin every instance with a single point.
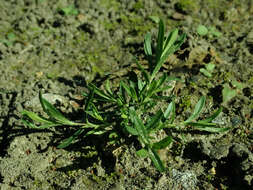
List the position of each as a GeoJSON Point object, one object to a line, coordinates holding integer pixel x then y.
{"type": "Point", "coordinates": [58, 47]}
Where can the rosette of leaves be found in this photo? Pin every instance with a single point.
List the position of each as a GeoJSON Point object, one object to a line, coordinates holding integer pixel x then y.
{"type": "Point", "coordinates": [127, 110]}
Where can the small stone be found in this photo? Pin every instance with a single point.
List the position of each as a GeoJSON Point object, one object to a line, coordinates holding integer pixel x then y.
{"type": "Point", "coordinates": [178, 16]}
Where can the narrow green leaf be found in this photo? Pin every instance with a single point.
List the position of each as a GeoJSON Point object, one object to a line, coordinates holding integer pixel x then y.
{"type": "Point", "coordinates": [160, 39]}
{"type": "Point", "coordinates": [170, 109]}
{"type": "Point", "coordinates": [143, 71]}
{"type": "Point", "coordinates": [212, 117]}
{"type": "Point", "coordinates": [97, 130]}
{"type": "Point", "coordinates": [142, 153]}
{"type": "Point", "coordinates": [96, 113]}
{"type": "Point", "coordinates": [166, 88]}
{"type": "Point", "coordinates": [120, 100]}
{"type": "Point", "coordinates": [155, 121]}
{"type": "Point", "coordinates": [131, 130]}
{"type": "Point", "coordinates": [126, 87]}
{"type": "Point", "coordinates": [171, 39]}
{"type": "Point", "coordinates": [108, 87]}
{"type": "Point", "coordinates": [170, 112]}
{"type": "Point", "coordinates": [157, 67]}
{"type": "Point", "coordinates": [198, 108]}
{"type": "Point", "coordinates": [45, 126]}
{"type": "Point", "coordinates": [201, 124]}
{"type": "Point", "coordinates": [121, 95]}
{"type": "Point", "coordinates": [166, 53]}
{"type": "Point", "coordinates": [211, 129]}
{"type": "Point", "coordinates": [156, 159]}
{"type": "Point", "coordinates": [35, 117]}
{"type": "Point", "coordinates": [85, 94]}
{"type": "Point", "coordinates": [133, 94]}
{"type": "Point", "coordinates": [28, 123]}
{"type": "Point", "coordinates": [174, 47]}
{"type": "Point", "coordinates": [147, 45]}
{"type": "Point", "coordinates": [181, 39]}
{"type": "Point", "coordinates": [228, 93]}
{"type": "Point", "coordinates": [100, 92]}
{"type": "Point", "coordinates": [161, 80]}
{"type": "Point", "coordinates": [162, 143]}
{"type": "Point", "coordinates": [155, 19]}
{"type": "Point", "coordinates": [138, 125]}
{"type": "Point", "coordinates": [53, 112]}
{"type": "Point", "coordinates": [151, 89]}
{"type": "Point", "coordinates": [89, 98]}
{"type": "Point", "coordinates": [140, 85]}
{"type": "Point", "coordinates": [68, 141]}
{"type": "Point", "coordinates": [171, 78]}
{"type": "Point", "coordinates": [179, 42]}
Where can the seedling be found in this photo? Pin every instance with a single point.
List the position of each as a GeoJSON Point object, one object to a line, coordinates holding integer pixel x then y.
{"type": "Point", "coordinates": [210, 31]}
{"type": "Point", "coordinates": [9, 40]}
{"type": "Point", "coordinates": [70, 10]}
{"type": "Point", "coordinates": [132, 109]}
{"type": "Point", "coordinates": [207, 71]}
{"type": "Point", "coordinates": [228, 93]}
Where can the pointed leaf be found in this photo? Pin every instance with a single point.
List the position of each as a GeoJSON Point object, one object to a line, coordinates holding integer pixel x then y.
{"type": "Point", "coordinates": [101, 93]}
{"type": "Point", "coordinates": [160, 39]}
{"type": "Point", "coordinates": [142, 153]}
{"type": "Point", "coordinates": [171, 39]}
{"type": "Point", "coordinates": [89, 98]}
{"type": "Point", "coordinates": [108, 87]}
{"type": "Point", "coordinates": [131, 130]}
{"type": "Point", "coordinates": [166, 53]}
{"type": "Point", "coordinates": [198, 108]}
{"type": "Point", "coordinates": [53, 112]}
{"type": "Point", "coordinates": [126, 87]}
{"type": "Point", "coordinates": [138, 125]}
{"type": "Point", "coordinates": [201, 124]}
{"type": "Point", "coordinates": [96, 113]}
{"type": "Point", "coordinates": [209, 128]}
{"type": "Point", "coordinates": [212, 117]}
{"type": "Point", "coordinates": [162, 89]}
{"type": "Point", "coordinates": [45, 126]}
{"type": "Point", "coordinates": [170, 112]}
{"type": "Point", "coordinates": [155, 121]}
{"type": "Point", "coordinates": [151, 89]}
{"type": "Point", "coordinates": [156, 19]}
{"type": "Point", "coordinates": [156, 159]}
{"type": "Point", "coordinates": [97, 129]}
{"type": "Point", "coordinates": [68, 141]}
{"type": "Point", "coordinates": [147, 45]}
{"type": "Point", "coordinates": [140, 84]}
{"type": "Point", "coordinates": [121, 95]}
{"type": "Point", "coordinates": [133, 94]}
{"type": "Point", "coordinates": [162, 80]}
{"type": "Point", "coordinates": [143, 71]}
{"type": "Point", "coordinates": [35, 117]}
{"type": "Point", "coordinates": [162, 143]}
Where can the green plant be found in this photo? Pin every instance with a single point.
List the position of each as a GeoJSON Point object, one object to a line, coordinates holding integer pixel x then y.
{"type": "Point", "coordinates": [69, 10]}
{"type": "Point", "coordinates": [207, 71]}
{"type": "Point", "coordinates": [210, 31]}
{"type": "Point", "coordinates": [9, 40]}
{"type": "Point", "coordinates": [230, 91]}
{"type": "Point", "coordinates": [133, 108]}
